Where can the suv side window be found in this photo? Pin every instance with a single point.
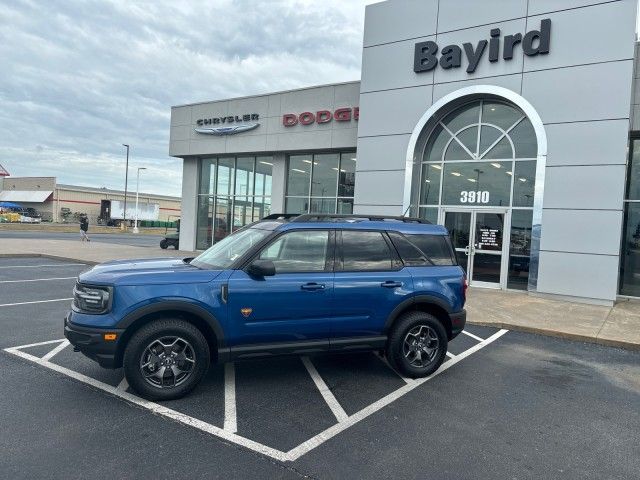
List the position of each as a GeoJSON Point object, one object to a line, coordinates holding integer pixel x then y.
{"type": "Point", "coordinates": [423, 250]}
{"type": "Point", "coordinates": [365, 251]}
{"type": "Point", "coordinates": [299, 251]}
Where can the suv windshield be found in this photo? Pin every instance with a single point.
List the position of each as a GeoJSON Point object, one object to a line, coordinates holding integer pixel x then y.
{"type": "Point", "coordinates": [226, 251]}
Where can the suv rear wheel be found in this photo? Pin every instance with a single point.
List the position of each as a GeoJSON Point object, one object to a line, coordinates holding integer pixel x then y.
{"type": "Point", "coordinates": [166, 359]}
{"type": "Point", "coordinates": [417, 344]}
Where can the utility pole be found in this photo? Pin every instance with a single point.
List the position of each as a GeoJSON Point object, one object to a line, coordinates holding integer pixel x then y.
{"type": "Point", "coordinates": [135, 225]}
{"type": "Point", "coordinates": [126, 182]}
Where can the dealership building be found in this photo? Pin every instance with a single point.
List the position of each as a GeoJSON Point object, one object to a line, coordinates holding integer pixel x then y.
{"type": "Point", "coordinates": [515, 124]}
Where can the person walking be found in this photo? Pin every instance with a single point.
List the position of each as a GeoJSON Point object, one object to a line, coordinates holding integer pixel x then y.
{"type": "Point", "coordinates": [84, 227]}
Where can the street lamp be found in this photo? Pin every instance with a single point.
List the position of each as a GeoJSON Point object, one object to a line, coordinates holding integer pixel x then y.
{"type": "Point", "coordinates": [126, 182]}
{"type": "Point", "coordinates": [135, 225]}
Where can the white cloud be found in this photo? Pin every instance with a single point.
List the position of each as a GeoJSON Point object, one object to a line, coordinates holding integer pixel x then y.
{"type": "Point", "coordinates": [79, 78]}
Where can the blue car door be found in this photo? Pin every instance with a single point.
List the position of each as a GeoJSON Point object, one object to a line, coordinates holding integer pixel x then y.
{"type": "Point", "coordinates": [295, 304]}
{"type": "Point", "coordinates": [370, 281]}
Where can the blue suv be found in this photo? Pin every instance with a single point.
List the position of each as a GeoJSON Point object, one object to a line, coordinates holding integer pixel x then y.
{"type": "Point", "coordinates": [287, 284]}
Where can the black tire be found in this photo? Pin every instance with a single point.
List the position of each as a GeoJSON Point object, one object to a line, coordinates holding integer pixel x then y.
{"type": "Point", "coordinates": [176, 245]}
{"type": "Point", "coordinates": [164, 244]}
{"type": "Point", "coordinates": [396, 348]}
{"type": "Point", "coordinates": [193, 365]}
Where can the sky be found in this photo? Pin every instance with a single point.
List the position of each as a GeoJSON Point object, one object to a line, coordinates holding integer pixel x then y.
{"type": "Point", "coordinates": [80, 78]}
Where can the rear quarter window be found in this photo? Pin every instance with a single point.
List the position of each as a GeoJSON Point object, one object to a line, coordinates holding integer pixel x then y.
{"type": "Point", "coordinates": [423, 250]}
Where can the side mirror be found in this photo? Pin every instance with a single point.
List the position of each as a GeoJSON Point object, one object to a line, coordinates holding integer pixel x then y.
{"type": "Point", "coordinates": [262, 268]}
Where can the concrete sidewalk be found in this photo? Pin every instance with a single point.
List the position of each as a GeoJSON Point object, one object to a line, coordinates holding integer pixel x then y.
{"type": "Point", "coordinates": [618, 326]}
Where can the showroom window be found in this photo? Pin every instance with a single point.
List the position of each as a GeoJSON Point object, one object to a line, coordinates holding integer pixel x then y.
{"type": "Point", "coordinates": [321, 183]}
{"type": "Point", "coordinates": [233, 192]}
{"type": "Point", "coordinates": [630, 251]}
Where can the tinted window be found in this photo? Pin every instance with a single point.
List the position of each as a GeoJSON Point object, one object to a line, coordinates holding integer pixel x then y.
{"type": "Point", "coordinates": [303, 251]}
{"type": "Point", "coordinates": [365, 251]}
{"type": "Point", "coordinates": [432, 249]}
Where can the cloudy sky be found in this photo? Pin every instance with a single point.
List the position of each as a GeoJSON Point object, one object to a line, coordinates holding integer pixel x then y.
{"type": "Point", "coordinates": [80, 78]}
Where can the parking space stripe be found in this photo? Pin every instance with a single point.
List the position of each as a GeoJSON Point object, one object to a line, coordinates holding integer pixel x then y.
{"type": "Point", "coordinates": [386, 362]}
{"type": "Point", "coordinates": [230, 413]}
{"type": "Point", "coordinates": [38, 280]}
{"type": "Point", "coordinates": [123, 385]}
{"type": "Point", "coordinates": [326, 393]}
{"type": "Point", "coordinates": [37, 301]}
{"type": "Point", "coordinates": [56, 351]}
{"type": "Point", "coordinates": [48, 342]}
{"type": "Point", "coordinates": [475, 337]}
{"type": "Point", "coordinates": [450, 355]}
{"type": "Point", "coordinates": [44, 266]}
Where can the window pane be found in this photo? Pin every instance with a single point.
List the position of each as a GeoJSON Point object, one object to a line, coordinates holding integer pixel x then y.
{"type": "Point", "coordinates": [435, 247]}
{"type": "Point", "coordinates": [325, 175]}
{"type": "Point", "coordinates": [299, 252]}
{"type": "Point", "coordinates": [347, 177]}
{"type": "Point", "coordinates": [261, 207]}
{"type": "Point", "coordinates": [345, 206]}
{"type": "Point", "coordinates": [430, 214]}
{"type": "Point", "coordinates": [208, 176]}
{"type": "Point", "coordinates": [525, 140]}
{"type": "Point", "coordinates": [501, 151]}
{"type": "Point", "coordinates": [205, 222]}
{"type": "Point", "coordinates": [463, 117]}
{"type": "Point", "coordinates": [477, 183]}
{"type": "Point", "coordinates": [299, 175]}
{"type": "Point", "coordinates": [500, 114]}
{"type": "Point", "coordinates": [297, 205]}
{"type": "Point", "coordinates": [633, 181]}
{"type": "Point", "coordinates": [469, 139]}
{"type": "Point", "coordinates": [244, 176]}
{"type": "Point", "coordinates": [488, 137]}
{"type": "Point", "coordinates": [323, 205]}
{"type": "Point", "coordinates": [222, 220]}
{"type": "Point", "coordinates": [456, 152]}
{"type": "Point", "coordinates": [436, 144]}
{"type": "Point", "coordinates": [430, 188]}
{"type": "Point", "coordinates": [242, 212]}
{"type": "Point", "coordinates": [520, 250]}
{"type": "Point", "coordinates": [524, 184]}
{"type": "Point", "coordinates": [225, 176]}
{"type": "Point", "coordinates": [264, 168]}
{"type": "Point", "coordinates": [365, 251]}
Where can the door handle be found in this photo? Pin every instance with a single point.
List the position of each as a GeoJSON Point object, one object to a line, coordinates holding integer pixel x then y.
{"type": "Point", "coordinates": [391, 284]}
{"type": "Point", "coordinates": [467, 250]}
{"type": "Point", "coordinates": [312, 287]}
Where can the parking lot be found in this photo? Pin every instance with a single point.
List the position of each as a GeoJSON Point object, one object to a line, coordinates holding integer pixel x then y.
{"type": "Point", "coordinates": [504, 405]}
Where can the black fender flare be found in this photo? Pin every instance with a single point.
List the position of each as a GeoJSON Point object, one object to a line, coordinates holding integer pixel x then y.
{"type": "Point", "coordinates": [415, 300]}
{"type": "Point", "coordinates": [178, 306]}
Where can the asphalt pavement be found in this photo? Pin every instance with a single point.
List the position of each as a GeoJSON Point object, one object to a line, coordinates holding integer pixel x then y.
{"type": "Point", "coordinates": [114, 238]}
{"type": "Point", "coordinates": [505, 405]}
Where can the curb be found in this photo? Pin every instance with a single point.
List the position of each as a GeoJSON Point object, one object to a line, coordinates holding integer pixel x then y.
{"type": "Point", "coordinates": [558, 334]}
{"type": "Point", "coordinates": [45, 255]}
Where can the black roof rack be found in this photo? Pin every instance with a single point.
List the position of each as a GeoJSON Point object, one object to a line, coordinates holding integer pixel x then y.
{"type": "Point", "coordinates": [281, 216]}
{"type": "Point", "coordinates": [311, 217]}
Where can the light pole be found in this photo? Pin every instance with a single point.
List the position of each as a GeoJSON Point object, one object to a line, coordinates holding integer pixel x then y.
{"type": "Point", "coordinates": [135, 225]}
{"type": "Point", "coordinates": [126, 182]}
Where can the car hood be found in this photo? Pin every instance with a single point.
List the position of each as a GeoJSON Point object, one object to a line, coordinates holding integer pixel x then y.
{"type": "Point", "coordinates": [146, 272]}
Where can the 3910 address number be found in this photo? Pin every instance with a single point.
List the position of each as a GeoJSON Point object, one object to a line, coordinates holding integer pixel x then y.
{"type": "Point", "coordinates": [474, 197]}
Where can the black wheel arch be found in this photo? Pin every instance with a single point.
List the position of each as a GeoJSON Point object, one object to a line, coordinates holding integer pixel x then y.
{"type": "Point", "coordinates": [431, 304]}
{"type": "Point", "coordinates": [194, 314]}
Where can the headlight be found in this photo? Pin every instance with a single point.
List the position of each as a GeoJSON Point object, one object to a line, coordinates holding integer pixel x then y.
{"type": "Point", "coordinates": [92, 300]}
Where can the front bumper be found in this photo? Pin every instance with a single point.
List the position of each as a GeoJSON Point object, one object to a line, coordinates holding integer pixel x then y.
{"type": "Point", "coordinates": [458, 321]}
{"type": "Point", "coordinates": [91, 342]}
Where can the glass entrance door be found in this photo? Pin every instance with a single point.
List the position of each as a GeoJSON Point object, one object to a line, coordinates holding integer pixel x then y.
{"type": "Point", "coordinates": [478, 240]}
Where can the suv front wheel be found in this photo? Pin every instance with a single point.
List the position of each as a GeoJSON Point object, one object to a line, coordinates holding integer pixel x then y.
{"type": "Point", "coordinates": [417, 345]}
{"type": "Point", "coordinates": [166, 359]}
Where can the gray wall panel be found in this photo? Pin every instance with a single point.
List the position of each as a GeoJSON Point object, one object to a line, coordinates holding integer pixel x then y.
{"type": "Point", "coordinates": [587, 143]}
{"type": "Point", "coordinates": [392, 112]}
{"type": "Point", "coordinates": [579, 275]}
{"type": "Point", "coordinates": [512, 82]}
{"type": "Point", "coordinates": [379, 188]}
{"type": "Point", "coordinates": [592, 187]}
{"type": "Point", "coordinates": [180, 116]}
{"type": "Point", "coordinates": [391, 66]}
{"type": "Point", "coordinates": [399, 20]}
{"type": "Point", "coordinates": [344, 138]}
{"type": "Point", "coordinates": [592, 92]}
{"type": "Point", "coordinates": [308, 100]}
{"type": "Point", "coordinates": [485, 67]}
{"type": "Point", "coordinates": [455, 15]}
{"type": "Point", "coordinates": [572, 44]}
{"type": "Point", "coordinates": [581, 231]}
{"type": "Point", "coordinates": [383, 153]}
{"type": "Point", "coordinates": [242, 106]}
{"type": "Point", "coordinates": [537, 7]}
{"type": "Point", "coordinates": [189, 204]}
{"type": "Point", "coordinates": [252, 143]}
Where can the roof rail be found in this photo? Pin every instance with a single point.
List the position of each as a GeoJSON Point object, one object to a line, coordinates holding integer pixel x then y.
{"type": "Point", "coordinates": [311, 217]}
{"type": "Point", "coordinates": [281, 216]}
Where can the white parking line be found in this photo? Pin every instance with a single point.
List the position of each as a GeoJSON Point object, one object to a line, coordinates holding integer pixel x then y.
{"type": "Point", "coordinates": [386, 362]}
{"type": "Point", "coordinates": [230, 414]}
{"type": "Point", "coordinates": [44, 266]}
{"type": "Point", "coordinates": [290, 455]}
{"type": "Point", "coordinates": [56, 351]}
{"type": "Point", "coordinates": [450, 355]}
{"type": "Point", "coordinates": [326, 393]}
{"type": "Point", "coordinates": [123, 385]}
{"type": "Point", "coordinates": [38, 280]}
{"type": "Point", "coordinates": [475, 337]}
{"type": "Point", "coordinates": [37, 301]}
